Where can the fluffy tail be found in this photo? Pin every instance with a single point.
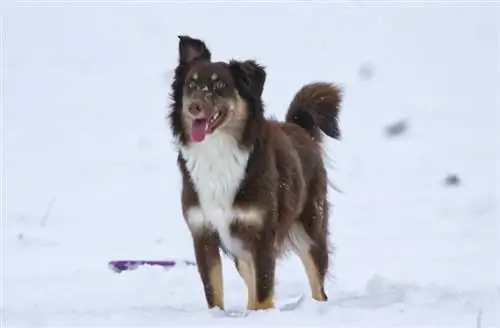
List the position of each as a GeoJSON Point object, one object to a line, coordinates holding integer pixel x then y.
{"type": "Point", "coordinates": [316, 107]}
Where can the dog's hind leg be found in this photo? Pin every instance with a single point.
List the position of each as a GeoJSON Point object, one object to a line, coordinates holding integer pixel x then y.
{"type": "Point", "coordinates": [313, 253]}
{"type": "Point", "coordinates": [310, 239]}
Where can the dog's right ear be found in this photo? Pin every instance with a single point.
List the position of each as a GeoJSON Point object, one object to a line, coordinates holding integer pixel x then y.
{"type": "Point", "coordinates": [192, 50]}
{"type": "Point", "coordinates": [249, 75]}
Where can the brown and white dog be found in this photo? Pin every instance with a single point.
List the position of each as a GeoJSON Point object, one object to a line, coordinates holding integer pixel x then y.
{"type": "Point", "coordinates": [252, 186]}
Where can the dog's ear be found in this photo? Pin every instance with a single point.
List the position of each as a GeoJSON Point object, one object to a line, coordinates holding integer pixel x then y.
{"type": "Point", "coordinates": [191, 50]}
{"type": "Point", "coordinates": [248, 75]}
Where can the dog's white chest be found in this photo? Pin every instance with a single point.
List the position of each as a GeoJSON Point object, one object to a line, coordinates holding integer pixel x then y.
{"type": "Point", "coordinates": [217, 166]}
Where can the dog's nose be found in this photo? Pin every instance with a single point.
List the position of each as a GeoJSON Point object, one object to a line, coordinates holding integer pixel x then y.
{"type": "Point", "coordinates": [194, 109]}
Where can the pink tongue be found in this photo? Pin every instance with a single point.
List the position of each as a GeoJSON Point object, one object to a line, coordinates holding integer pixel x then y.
{"type": "Point", "coordinates": [199, 130]}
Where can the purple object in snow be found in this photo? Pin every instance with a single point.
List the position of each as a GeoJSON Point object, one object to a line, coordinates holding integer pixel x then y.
{"type": "Point", "coordinates": [123, 265]}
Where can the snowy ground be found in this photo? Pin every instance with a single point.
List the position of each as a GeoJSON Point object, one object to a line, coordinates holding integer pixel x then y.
{"type": "Point", "coordinates": [89, 170]}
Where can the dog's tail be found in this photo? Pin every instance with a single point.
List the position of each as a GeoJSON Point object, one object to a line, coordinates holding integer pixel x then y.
{"type": "Point", "coordinates": [315, 108]}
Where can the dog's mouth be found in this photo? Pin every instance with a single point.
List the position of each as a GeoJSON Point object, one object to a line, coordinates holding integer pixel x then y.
{"type": "Point", "coordinates": [201, 127]}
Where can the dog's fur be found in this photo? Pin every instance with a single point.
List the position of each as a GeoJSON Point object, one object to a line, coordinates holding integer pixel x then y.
{"type": "Point", "coordinates": [253, 187]}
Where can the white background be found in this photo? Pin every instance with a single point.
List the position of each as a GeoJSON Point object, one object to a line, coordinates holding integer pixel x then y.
{"type": "Point", "coordinates": [89, 172]}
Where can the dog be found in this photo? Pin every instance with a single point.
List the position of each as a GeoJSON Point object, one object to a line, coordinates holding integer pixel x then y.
{"type": "Point", "coordinates": [252, 187]}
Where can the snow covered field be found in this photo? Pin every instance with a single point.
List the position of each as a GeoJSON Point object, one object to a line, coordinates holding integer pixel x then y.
{"type": "Point", "coordinates": [89, 169]}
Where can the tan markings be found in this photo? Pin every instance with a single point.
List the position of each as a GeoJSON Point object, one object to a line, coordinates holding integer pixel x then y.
{"type": "Point", "coordinates": [246, 268]}
{"type": "Point", "coordinates": [238, 115]}
{"type": "Point", "coordinates": [315, 282]}
{"type": "Point", "coordinates": [265, 305]}
{"type": "Point", "coordinates": [195, 76]}
{"type": "Point", "coordinates": [214, 77]}
{"type": "Point", "coordinates": [251, 216]}
{"type": "Point", "coordinates": [217, 284]}
{"type": "Point", "coordinates": [240, 108]}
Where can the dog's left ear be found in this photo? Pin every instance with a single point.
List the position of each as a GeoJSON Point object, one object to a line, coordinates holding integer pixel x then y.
{"type": "Point", "coordinates": [191, 50]}
{"type": "Point", "coordinates": [248, 75]}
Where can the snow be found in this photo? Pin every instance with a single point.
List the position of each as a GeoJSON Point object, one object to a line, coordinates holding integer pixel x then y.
{"type": "Point", "coordinates": [89, 171]}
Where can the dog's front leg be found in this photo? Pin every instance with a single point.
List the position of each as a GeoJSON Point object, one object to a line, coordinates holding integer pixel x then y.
{"type": "Point", "coordinates": [257, 268]}
{"type": "Point", "coordinates": [206, 247]}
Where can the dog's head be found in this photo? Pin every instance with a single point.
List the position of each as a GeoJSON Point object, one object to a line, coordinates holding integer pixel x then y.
{"type": "Point", "coordinates": [213, 97]}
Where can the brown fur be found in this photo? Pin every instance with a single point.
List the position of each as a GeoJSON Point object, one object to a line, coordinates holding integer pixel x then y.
{"type": "Point", "coordinates": [280, 201]}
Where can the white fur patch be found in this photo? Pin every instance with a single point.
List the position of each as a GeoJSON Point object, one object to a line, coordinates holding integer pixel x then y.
{"type": "Point", "coordinates": [297, 241]}
{"type": "Point", "coordinates": [217, 166]}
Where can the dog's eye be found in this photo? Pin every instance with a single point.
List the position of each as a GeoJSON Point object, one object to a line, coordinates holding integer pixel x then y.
{"type": "Point", "coordinates": [219, 85]}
